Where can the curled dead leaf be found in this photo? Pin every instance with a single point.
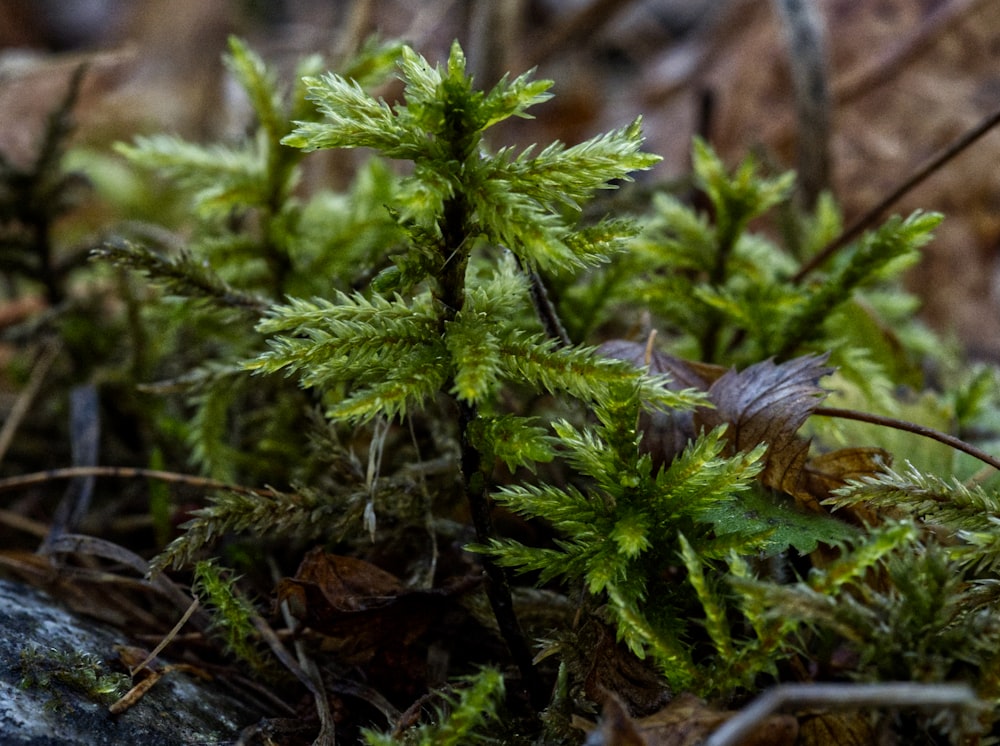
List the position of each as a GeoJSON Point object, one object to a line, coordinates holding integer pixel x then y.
{"type": "Point", "coordinates": [361, 609]}
{"type": "Point", "coordinates": [767, 402]}
{"type": "Point", "coordinates": [664, 434]}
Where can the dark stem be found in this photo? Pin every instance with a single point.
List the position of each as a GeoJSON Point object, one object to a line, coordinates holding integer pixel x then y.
{"type": "Point", "coordinates": [544, 307]}
{"type": "Point", "coordinates": [452, 297]}
{"type": "Point", "coordinates": [910, 427]}
{"type": "Point", "coordinates": [728, 231]}
{"type": "Point", "coordinates": [497, 583]}
{"type": "Point", "coordinates": [46, 185]}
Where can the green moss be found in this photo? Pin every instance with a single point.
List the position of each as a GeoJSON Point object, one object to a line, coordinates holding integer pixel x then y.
{"type": "Point", "coordinates": [83, 673]}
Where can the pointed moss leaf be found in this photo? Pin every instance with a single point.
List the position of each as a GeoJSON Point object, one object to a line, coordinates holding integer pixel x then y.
{"type": "Point", "coordinates": [502, 295]}
{"type": "Point", "coordinates": [260, 85]}
{"type": "Point", "coordinates": [870, 550]}
{"type": "Point", "coordinates": [568, 561]}
{"type": "Point", "coordinates": [422, 79]}
{"type": "Point", "coordinates": [513, 440]}
{"type": "Point", "coordinates": [582, 373]}
{"type": "Point", "coordinates": [513, 97]}
{"type": "Point", "coordinates": [410, 384]}
{"type": "Point", "coordinates": [222, 178]}
{"type": "Point", "coordinates": [716, 623]}
{"type": "Point", "coordinates": [571, 175]}
{"type": "Point", "coordinates": [576, 172]}
{"type": "Point", "coordinates": [180, 274]}
{"type": "Point", "coordinates": [677, 236]}
{"type": "Point", "coordinates": [878, 254]}
{"type": "Point", "coordinates": [353, 339]}
{"type": "Point", "coordinates": [767, 403]}
{"type": "Point", "coordinates": [631, 532]}
{"type": "Point", "coordinates": [971, 513]}
{"type": "Point", "coordinates": [473, 337]}
{"type": "Point", "coordinates": [702, 476]}
{"type": "Point", "coordinates": [567, 509]}
{"type": "Point", "coordinates": [353, 119]}
{"type": "Point", "coordinates": [475, 352]}
{"type": "Point", "coordinates": [740, 197]}
{"type": "Point", "coordinates": [600, 243]}
{"type": "Point", "coordinates": [781, 524]}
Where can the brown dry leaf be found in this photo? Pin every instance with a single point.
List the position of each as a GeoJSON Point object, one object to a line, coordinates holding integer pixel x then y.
{"type": "Point", "coordinates": [767, 403]}
{"type": "Point", "coordinates": [824, 473]}
{"type": "Point", "coordinates": [609, 666]}
{"type": "Point", "coordinates": [684, 374]}
{"type": "Point", "coordinates": [361, 609]}
{"type": "Point", "coordinates": [829, 471]}
{"type": "Point", "coordinates": [686, 721]}
{"type": "Point", "coordinates": [836, 729]}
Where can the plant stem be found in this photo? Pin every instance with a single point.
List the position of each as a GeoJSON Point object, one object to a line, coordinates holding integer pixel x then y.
{"type": "Point", "coordinates": [727, 233]}
{"type": "Point", "coordinates": [910, 427]}
{"type": "Point", "coordinates": [452, 297]}
{"type": "Point", "coordinates": [497, 584]}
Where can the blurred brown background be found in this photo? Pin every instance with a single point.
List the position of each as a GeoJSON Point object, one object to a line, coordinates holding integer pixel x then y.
{"type": "Point", "coordinates": [905, 77]}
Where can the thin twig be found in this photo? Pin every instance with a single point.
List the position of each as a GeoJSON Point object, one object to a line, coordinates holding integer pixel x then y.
{"type": "Point", "coordinates": [871, 216]}
{"type": "Point", "coordinates": [910, 427]}
{"type": "Point", "coordinates": [167, 639]}
{"type": "Point", "coordinates": [128, 472]}
{"type": "Point", "coordinates": [546, 310]}
{"type": "Point", "coordinates": [841, 697]}
{"type": "Point", "coordinates": [22, 405]}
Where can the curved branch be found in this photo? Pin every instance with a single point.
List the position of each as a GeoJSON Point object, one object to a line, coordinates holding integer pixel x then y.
{"type": "Point", "coordinates": [911, 427]}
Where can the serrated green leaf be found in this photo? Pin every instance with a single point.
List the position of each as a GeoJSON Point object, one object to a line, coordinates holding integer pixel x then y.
{"type": "Point", "coordinates": [780, 522]}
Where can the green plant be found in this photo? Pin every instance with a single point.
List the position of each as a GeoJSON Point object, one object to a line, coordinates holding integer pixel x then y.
{"type": "Point", "coordinates": [462, 721]}
{"type": "Point", "coordinates": [253, 242]}
{"type": "Point", "coordinates": [232, 615]}
{"type": "Point", "coordinates": [78, 671]}
{"type": "Point", "coordinates": [441, 324]}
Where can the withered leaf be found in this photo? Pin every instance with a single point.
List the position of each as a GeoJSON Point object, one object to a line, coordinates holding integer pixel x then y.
{"type": "Point", "coordinates": [664, 434]}
{"type": "Point", "coordinates": [767, 403]}
{"type": "Point", "coordinates": [684, 374]}
{"type": "Point", "coordinates": [837, 729]}
{"type": "Point", "coordinates": [828, 471]}
{"type": "Point", "coordinates": [360, 608]}
{"type": "Point", "coordinates": [609, 666]}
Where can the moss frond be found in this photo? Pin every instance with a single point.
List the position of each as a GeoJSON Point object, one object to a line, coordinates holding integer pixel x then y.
{"type": "Point", "coordinates": [232, 615]}
{"type": "Point", "coordinates": [464, 719]}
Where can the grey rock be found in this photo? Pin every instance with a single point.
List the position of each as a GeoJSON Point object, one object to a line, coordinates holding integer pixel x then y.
{"type": "Point", "coordinates": [179, 709]}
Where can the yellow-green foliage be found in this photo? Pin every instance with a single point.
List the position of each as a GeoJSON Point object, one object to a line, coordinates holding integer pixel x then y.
{"type": "Point", "coordinates": [79, 671]}
{"type": "Point", "coordinates": [232, 615]}
{"type": "Point", "coordinates": [423, 299]}
{"type": "Point", "coordinates": [467, 717]}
